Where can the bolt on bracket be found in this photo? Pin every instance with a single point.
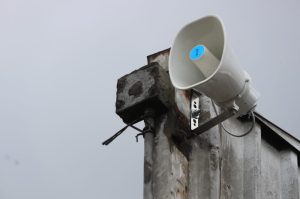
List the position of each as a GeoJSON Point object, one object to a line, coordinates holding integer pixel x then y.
{"type": "Point", "coordinates": [195, 113]}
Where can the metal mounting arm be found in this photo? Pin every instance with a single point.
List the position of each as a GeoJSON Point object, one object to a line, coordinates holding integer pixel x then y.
{"type": "Point", "coordinates": [211, 123]}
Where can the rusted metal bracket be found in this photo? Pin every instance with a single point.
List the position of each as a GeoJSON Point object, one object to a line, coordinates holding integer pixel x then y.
{"type": "Point", "coordinates": [213, 122]}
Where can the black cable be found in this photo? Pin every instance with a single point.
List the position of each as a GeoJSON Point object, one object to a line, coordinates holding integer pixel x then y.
{"type": "Point", "coordinates": [136, 128]}
{"type": "Point", "coordinates": [109, 140]}
{"type": "Point", "coordinates": [131, 124]}
{"type": "Point", "coordinates": [235, 135]}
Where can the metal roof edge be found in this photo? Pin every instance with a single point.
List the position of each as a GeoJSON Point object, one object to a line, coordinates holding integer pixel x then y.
{"type": "Point", "coordinates": [293, 141]}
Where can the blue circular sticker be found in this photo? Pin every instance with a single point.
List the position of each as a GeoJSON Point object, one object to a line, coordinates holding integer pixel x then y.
{"type": "Point", "coordinates": [197, 52]}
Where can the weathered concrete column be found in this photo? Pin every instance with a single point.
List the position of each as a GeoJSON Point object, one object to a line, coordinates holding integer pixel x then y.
{"type": "Point", "coordinates": [205, 157]}
{"type": "Point", "coordinates": [148, 164]}
{"type": "Point", "coordinates": [165, 165]}
{"type": "Point", "coordinates": [263, 164]}
{"type": "Point", "coordinates": [148, 156]}
{"type": "Point", "coordinates": [216, 164]}
{"type": "Point", "coordinates": [170, 163]}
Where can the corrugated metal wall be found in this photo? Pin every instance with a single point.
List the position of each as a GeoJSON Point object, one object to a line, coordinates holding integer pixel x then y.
{"type": "Point", "coordinates": [215, 165]}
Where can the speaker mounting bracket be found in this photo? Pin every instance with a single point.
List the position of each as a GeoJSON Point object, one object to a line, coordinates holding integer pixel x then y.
{"type": "Point", "coordinates": [195, 114]}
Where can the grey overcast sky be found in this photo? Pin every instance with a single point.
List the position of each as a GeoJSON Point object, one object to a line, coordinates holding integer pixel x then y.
{"type": "Point", "coordinates": [59, 65]}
